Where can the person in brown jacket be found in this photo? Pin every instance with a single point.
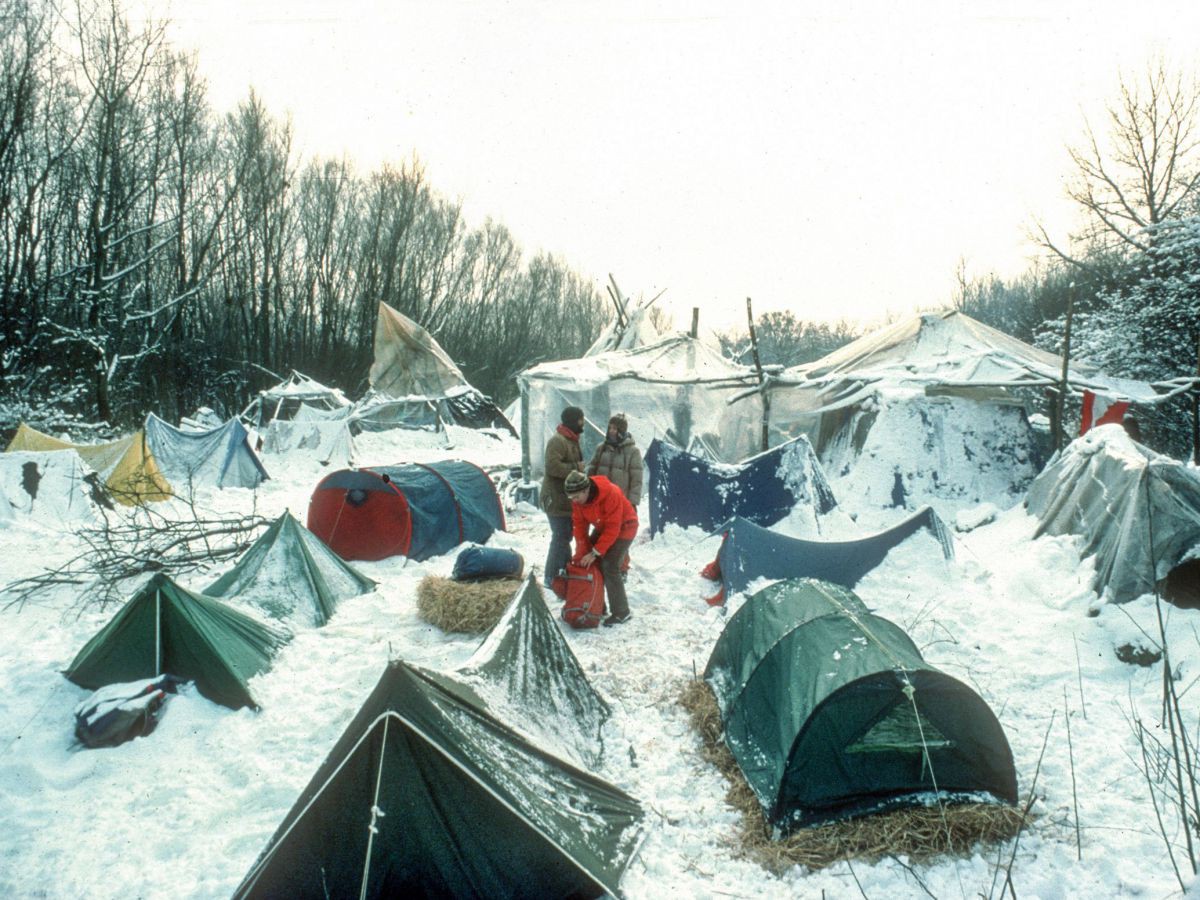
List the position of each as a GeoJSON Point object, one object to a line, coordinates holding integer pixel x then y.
{"type": "Point", "coordinates": [563, 456]}
{"type": "Point", "coordinates": [619, 460]}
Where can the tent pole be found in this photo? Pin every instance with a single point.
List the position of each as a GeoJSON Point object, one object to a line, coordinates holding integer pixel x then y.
{"type": "Point", "coordinates": [157, 633]}
{"type": "Point", "coordinates": [376, 812]}
{"type": "Point", "coordinates": [766, 398]}
{"type": "Point", "coordinates": [1060, 430]}
{"type": "Point", "coordinates": [695, 321]}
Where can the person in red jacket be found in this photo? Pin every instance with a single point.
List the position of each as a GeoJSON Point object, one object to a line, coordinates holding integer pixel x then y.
{"type": "Point", "coordinates": [605, 524]}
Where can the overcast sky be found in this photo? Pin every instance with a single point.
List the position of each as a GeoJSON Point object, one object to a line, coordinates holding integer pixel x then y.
{"type": "Point", "coordinates": [836, 159]}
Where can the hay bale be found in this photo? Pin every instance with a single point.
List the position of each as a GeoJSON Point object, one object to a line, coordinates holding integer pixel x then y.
{"type": "Point", "coordinates": [921, 833]}
{"type": "Point", "coordinates": [468, 607]}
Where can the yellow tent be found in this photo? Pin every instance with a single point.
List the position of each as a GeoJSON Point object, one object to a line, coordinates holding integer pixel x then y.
{"type": "Point", "coordinates": [127, 466]}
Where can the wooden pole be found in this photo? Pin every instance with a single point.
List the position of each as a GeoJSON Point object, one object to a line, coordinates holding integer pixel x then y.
{"type": "Point", "coordinates": [1196, 409]}
{"type": "Point", "coordinates": [1066, 358]}
{"type": "Point", "coordinates": [766, 398]}
{"type": "Point", "coordinates": [695, 321]}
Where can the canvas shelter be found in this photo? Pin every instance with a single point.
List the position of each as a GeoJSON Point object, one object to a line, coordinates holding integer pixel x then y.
{"type": "Point", "coordinates": [165, 629]}
{"type": "Point", "coordinates": [328, 441]}
{"type": "Point", "coordinates": [676, 390]}
{"type": "Point", "coordinates": [948, 389]}
{"type": "Point", "coordinates": [1136, 512]}
{"type": "Point", "coordinates": [688, 490]}
{"type": "Point", "coordinates": [749, 551]}
{"type": "Point", "coordinates": [284, 401]}
{"type": "Point", "coordinates": [525, 674]}
{"type": "Point", "coordinates": [416, 510]}
{"type": "Point", "coordinates": [411, 372]}
{"type": "Point", "coordinates": [427, 795]}
{"type": "Point", "coordinates": [127, 466]}
{"type": "Point", "coordinates": [831, 712]}
{"type": "Point", "coordinates": [53, 488]}
{"type": "Point", "coordinates": [289, 574]}
{"type": "Point", "coordinates": [219, 458]}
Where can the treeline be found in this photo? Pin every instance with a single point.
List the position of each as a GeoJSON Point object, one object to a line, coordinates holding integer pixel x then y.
{"type": "Point", "coordinates": [157, 254]}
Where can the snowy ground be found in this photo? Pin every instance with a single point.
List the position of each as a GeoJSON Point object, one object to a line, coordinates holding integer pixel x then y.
{"type": "Point", "coordinates": [185, 811]}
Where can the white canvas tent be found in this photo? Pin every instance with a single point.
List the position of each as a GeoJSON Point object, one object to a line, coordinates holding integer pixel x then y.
{"type": "Point", "coordinates": [677, 389]}
{"type": "Point", "coordinates": [284, 401]}
{"type": "Point", "coordinates": [940, 380]}
{"type": "Point", "coordinates": [412, 375]}
{"type": "Point", "coordinates": [1136, 512]}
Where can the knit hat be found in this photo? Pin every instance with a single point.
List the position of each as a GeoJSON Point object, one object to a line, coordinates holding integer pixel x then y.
{"type": "Point", "coordinates": [571, 415]}
{"type": "Point", "coordinates": [576, 482]}
{"type": "Point", "coordinates": [620, 422]}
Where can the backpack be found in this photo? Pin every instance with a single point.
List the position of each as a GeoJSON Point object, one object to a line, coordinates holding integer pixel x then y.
{"type": "Point", "coordinates": [582, 591]}
{"type": "Point", "coordinates": [120, 712]}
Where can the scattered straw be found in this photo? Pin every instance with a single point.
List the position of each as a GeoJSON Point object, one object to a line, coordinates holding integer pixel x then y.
{"type": "Point", "coordinates": [464, 606]}
{"type": "Point", "coordinates": [920, 833]}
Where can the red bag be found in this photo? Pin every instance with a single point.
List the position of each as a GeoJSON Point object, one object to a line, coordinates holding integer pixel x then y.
{"type": "Point", "coordinates": [582, 590]}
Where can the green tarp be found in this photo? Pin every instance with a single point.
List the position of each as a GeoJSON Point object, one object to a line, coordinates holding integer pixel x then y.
{"type": "Point", "coordinates": [164, 628]}
{"type": "Point", "coordinates": [290, 574]}
{"type": "Point", "coordinates": [525, 674]}
{"type": "Point", "coordinates": [830, 711]}
{"type": "Point", "coordinates": [425, 794]}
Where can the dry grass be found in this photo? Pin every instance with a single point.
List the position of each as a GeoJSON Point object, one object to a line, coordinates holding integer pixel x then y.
{"type": "Point", "coordinates": [921, 833]}
{"type": "Point", "coordinates": [464, 606]}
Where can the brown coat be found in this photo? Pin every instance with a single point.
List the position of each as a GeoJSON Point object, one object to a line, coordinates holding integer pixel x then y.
{"type": "Point", "coordinates": [563, 456]}
{"type": "Point", "coordinates": [622, 465]}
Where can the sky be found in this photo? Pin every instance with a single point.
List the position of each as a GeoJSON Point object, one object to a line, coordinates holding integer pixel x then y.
{"type": "Point", "coordinates": [839, 160]}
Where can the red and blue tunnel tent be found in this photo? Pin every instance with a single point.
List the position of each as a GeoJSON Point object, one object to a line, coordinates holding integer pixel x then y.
{"type": "Point", "coordinates": [416, 510]}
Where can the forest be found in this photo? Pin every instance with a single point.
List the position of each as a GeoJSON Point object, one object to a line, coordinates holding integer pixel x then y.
{"type": "Point", "coordinates": [157, 254]}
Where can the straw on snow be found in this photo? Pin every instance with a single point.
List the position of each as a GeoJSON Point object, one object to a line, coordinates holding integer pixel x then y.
{"type": "Point", "coordinates": [920, 833]}
{"type": "Point", "coordinates": [469, 607]}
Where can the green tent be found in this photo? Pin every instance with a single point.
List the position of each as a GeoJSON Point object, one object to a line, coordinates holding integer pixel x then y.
{"type": "Point", "coordinates": [427, 795]}
{"type": "Point", "coordinates": [525, 674]}
{"type": "Point", "coordinates": [831, 711]}
{"type": "Point", "coordinates": [290, 574]}
{"type": "Point", "coordinates": [164, 628]}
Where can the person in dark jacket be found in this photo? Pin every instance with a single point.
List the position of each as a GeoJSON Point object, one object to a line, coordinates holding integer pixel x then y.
{"type": "Point", "coordinates": [563, 456]}
{"type": "Point", "coordinates": [605, 524]}
{"type": "Point", "coordinates": [619, 460]}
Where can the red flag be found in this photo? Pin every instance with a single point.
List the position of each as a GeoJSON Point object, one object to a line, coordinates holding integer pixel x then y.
{"type": "Point", "coordinates": [1101, 410]}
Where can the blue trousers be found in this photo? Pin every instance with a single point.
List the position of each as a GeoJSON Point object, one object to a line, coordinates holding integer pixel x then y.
{"type": "Point", "coordinates": [559, 553]}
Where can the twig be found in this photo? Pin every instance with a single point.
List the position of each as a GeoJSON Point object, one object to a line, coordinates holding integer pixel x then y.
{"type": "Point", "coordinates": [1074, 791]}
{"type": "Point", "coordinates": [1025, 812]}
{"type": "Point", "coordinates": [1079, 674]}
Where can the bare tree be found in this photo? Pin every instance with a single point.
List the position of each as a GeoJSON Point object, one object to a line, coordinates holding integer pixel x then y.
{"type": "Point", "coordinates": [1145, 170]}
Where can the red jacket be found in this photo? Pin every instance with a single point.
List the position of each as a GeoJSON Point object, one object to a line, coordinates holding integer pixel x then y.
{"type": "Point", "coordinates": [613, 516]}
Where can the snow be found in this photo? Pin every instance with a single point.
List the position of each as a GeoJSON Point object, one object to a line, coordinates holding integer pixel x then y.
{"type": "Point", "coordinates": [185, 811]}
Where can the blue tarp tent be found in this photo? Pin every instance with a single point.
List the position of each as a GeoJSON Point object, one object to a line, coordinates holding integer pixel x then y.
{"type": "Point", "coordinates": [688, 490]}
{"type": "Point", "coordinates": [219, 458]}
{"type": "Point", "coordinates": [749, 552]}
{"type": "Point", "coordinates": [415, 510]}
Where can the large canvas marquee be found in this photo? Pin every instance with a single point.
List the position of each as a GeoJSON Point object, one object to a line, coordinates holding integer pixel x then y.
{"type": "Point", "coordinates": [676, 390]}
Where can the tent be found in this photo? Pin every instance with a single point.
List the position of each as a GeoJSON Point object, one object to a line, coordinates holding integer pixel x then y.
{"type": "Point", "coordinates": [412, 370]}
{"type": "Point", "coordinates": [688, 490]}
{"type": "Point", "coordinates": [525, 674]}
{"type": "Point", "coordinates": [129, 471]}
{"type": "Point", "coordinates": [831, 712]}
{"type": "Point", "coordinates": [284, 401]}
{"type": "Point", "coordinates": [916, 407]}
{"type": "Point", "coordinates": [166, 629]}
{"type": "Point", "coordinates": [52, 488]}
{"type": "Point", "coordinates": [160, 460]}
{"type": "Point", "coordinates": [677, 390]}
{"type": "Point", "coordinates": [750, 551]}
{"type": "Point", "coordinates": [289, 574]}
{"type": "Point", "coordinates": [1138, 514]}
{"type": "Point", "coordinates": [416, 510]}
{"type": "Point", "coordinates": [425, 794]}
{"type": "Point", "coordinates": [221, 457]}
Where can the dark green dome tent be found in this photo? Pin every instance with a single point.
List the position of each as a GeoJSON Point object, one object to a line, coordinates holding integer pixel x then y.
{"type": "Point", "coordinates": [290, 574]}
{"type": "Point", "coordinates": [426, 795]}
{"type": "Point", "coordinates": [831, 711]}
{"type": "Point", "coordinates": [166, 629]}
